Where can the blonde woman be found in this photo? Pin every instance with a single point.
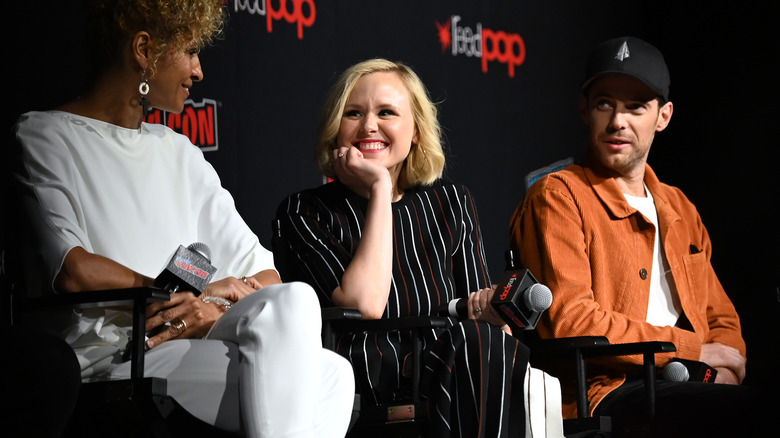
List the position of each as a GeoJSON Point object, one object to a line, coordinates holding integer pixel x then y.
{"type": "Point", "coordinates": [391, 238]}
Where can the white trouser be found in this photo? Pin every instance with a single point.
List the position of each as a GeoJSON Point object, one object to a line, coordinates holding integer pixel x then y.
{"type": "Point", "coordinates": [543, 408]}
{"type": "Point", "coordinates": [261, 369]}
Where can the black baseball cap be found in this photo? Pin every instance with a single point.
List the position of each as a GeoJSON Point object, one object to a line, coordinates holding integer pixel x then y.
{"type": "Point", "coordinates": [633, 57]}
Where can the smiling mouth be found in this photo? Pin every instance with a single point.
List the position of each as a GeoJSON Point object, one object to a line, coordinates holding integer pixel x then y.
{"type": "Point", "coordinates": [372, 146]}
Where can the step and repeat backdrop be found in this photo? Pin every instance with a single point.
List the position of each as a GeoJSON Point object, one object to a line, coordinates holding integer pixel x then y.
{"type": "Point", "coordinates": [505, 75]}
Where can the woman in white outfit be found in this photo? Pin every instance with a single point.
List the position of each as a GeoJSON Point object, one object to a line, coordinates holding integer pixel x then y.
{"type": "Point", "coordinates": [108, 199]}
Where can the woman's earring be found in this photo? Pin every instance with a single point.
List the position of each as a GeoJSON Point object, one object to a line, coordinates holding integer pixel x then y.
{"type": "Point", "coordinates": [415, 164]}
{"type": "Point", "coordinates": [425, 154]}
{"type": "Point", "coordinates": [143, 88]}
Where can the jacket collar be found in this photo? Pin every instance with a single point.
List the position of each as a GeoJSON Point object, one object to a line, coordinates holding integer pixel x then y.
{"type": "Point", "coordinates": [612, 197]}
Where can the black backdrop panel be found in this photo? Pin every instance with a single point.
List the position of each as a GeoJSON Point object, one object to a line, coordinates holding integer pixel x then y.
{"type": "Point", "coordinates": [506, 74]}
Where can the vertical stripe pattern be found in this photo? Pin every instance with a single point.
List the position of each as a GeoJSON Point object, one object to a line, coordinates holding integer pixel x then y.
{"type": "Point", "coordinates": [438, 255]}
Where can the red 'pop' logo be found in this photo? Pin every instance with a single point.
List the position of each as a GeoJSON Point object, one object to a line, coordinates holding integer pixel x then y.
{"type": "Point", "coordinates": [301, 12]}
{"type": "Point", "coordinates": [294, 16]}
{"type": "Point", "coordinates": [490, 45]}
{"type": "Point", "coordinates": [507, 48]}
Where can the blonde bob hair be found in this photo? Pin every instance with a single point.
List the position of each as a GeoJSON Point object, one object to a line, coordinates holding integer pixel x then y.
{"type": "Point", "coordinates": [425, 162]}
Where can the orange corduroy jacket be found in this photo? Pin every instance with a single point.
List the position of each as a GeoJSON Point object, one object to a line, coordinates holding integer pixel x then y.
{"type": "Point", "coordinates": [578, 235]}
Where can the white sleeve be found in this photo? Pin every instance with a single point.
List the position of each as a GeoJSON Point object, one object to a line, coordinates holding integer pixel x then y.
{"type": "Point", "coordinates": [236, 250]}
{"type": "Point", "coordinates": [48, 197]}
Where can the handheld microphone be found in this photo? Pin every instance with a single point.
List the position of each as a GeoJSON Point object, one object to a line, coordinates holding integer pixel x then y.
{"type": "Point", "coordinates": [683, 370]}
{"type": "Point", "coordinates": [189, 269]}
{"type": "Point", "coordinates": [520, 299]}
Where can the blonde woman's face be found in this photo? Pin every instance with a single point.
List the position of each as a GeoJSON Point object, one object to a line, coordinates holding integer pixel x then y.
{"type": "Point", "coordinates": [379, 121]}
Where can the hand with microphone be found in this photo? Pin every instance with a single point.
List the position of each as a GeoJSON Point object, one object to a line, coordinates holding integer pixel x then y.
{"type": "Point", "coordinates": [519, 300]}
{"type": "Point", "coordinates": [683, 370]}
{"type": "Point", "coordinates": [725, 358]}
{"type": "Point", "coordinates": [189, 269]}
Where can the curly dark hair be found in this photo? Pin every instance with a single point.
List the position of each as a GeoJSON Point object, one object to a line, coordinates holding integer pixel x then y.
{"type": "Point", "coordinates": [172, 24]}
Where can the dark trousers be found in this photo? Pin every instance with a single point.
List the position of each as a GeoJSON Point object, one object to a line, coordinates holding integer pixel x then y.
{"type": "Point", "coordinates": [689, 409]}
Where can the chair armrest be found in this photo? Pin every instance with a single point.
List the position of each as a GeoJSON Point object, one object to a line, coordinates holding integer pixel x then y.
{"type": "Point", "coordinates": [403, 323]}
{"type": "Point", "coordinates": [93, 299]}
{"type": "Point", "coordinates": [644, 348]}
{"type": "Point", "coordinates": [585, 347]}
{"type": "Point", "coordinates": [648, 351]}
{"type": "Point", "coordinates": [339, 313]}
{"type": "Point", "coordinates": [331, 316]}
{"type": "Point", "coordinates": [567, 346]}
{"type": "Point", "coordinates": [407, 323]}
{"type": "Point", "coordinates": [137, 297]}
{"type": "Point", "coordinates": [598, 346]}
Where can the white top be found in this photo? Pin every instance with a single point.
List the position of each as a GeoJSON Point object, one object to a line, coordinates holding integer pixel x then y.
{"type": "Point", "coordinates": [132, 195]}
{"type": "Point", "coordinates": [663, 307]}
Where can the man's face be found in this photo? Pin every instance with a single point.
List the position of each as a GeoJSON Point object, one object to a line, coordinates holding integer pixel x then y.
{"type": "Point", "coordinates": [623, 116]}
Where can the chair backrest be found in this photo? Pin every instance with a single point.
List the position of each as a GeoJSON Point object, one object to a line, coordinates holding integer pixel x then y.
{"type": "Point", "coordinates": [404, 418]}
{"type": "Point", "coordinates": [6, 286]}
{"type": "Point", "coordinates": [535, 175]}
{"type": "Point", "coordinates": [9, 243]}
{"type": "Point", "coordinates": [284, 257]}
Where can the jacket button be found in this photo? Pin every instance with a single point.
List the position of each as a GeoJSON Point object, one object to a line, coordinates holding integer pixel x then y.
{"type": "Point", "coordinates": [643, 274]}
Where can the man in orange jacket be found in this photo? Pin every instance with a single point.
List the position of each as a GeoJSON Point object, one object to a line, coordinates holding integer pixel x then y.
{"type": "Point", "coordinates": [627, 257]}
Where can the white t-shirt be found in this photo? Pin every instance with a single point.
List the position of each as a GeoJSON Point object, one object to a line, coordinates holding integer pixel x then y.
{"type": "Point", "coordinates": [663, 307]}
{"type": "Point", "coordinates": [132, 195]}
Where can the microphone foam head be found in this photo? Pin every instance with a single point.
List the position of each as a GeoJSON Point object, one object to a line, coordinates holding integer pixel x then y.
{"type": "Point", "coordinates": [676, 372]}
{"type": "Point", "coordinates": [538, 298]}
{"type": "Point", "coordinates": [202, 249]}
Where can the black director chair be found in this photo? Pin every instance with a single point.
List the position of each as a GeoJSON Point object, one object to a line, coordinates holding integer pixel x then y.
{"type": "Point", "coordinates": [406, 415]}
{"type": "Point", "coordinates": [406, 418]}
{"type": "Point", "coordinates": [134, 407]}
{"type": "Point", "coordinates": [568, 358]}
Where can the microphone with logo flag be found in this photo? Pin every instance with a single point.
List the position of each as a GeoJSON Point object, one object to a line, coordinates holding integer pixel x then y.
{"type": "Point", "coordinates": [189, 269]}
{"type": "Point", "coordinates": [683, 370]}
{"type": "Point", "coordinates": [519, 299]}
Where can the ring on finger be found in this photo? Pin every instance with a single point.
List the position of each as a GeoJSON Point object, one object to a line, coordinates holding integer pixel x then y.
{"type": "Point", "coordinates": [341, 154]}
{"type": "Point", "coordinates": [243, 279]}
{"type": "Point", "coordinates": [478, 310]}
{"type": "Point", "coordinates": [179, 325]}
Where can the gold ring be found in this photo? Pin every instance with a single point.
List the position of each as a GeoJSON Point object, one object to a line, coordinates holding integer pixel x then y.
{"type": "Point", "coordinates": [180, 326]}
